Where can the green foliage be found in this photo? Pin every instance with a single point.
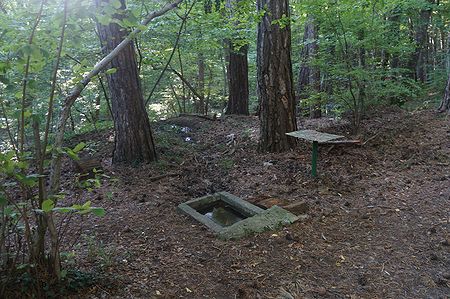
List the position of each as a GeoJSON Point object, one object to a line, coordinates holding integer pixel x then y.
{"type": "Point", "coordinates": [365, 51]}
{"type": "Point", "coordinates": [72, 282]}
{"type": "Point", "coordinates": [16, 211]}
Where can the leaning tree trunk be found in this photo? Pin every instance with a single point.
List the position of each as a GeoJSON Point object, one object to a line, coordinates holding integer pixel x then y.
{"type": "Point", "coordinates": [309, 76]}
{"type": "Point", "coordinates": [275, 83]}
{"type": "Point", "coordinates": [445, 104]}
{"type": "Point", "coordinates": [133, 136]}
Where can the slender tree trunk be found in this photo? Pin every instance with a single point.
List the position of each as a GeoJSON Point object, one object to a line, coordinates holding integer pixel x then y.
{"type": "Point", "coordinates": [201, 83]}
{"type": "Point", "coordinates": [422, 44]}
{"type": "Point", "coordinates": [309, 76]}
{"type": "Point", "coordinates": [133, 136]}
{"type": "Point", "coordinates": [445, 103]}
{"type": "Point", "coordinates": [275, 80]}
{"type": "Point", "coordinates": [182, 82]}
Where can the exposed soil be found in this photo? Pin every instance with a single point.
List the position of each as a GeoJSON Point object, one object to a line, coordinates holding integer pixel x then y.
{"type": "Point", "coordinates": [378, 225]}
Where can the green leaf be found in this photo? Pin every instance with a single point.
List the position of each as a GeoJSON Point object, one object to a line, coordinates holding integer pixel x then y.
{"type": "Point", "coordinates": [72, 155]}
{"type": "Point", "coordinates": [100, 212]}
{"type": "Point", "coordinates": [47, 205]}
{"type": "Point", "coordinates": [26, 50]}
{"type": "Point", "coordinates": [9, 211]}
{"type": "Point", "coordinates": [3, 200]}
{"type": "Point", "coordinates": [79, 147]}
{"type": "Point", "coordinates": [27, 113]}
{"type": "Point", "coordinates": [83, 212]}
{"type": "Point", "coordinates": [111, 71]}
{"type": "Point", "coordinates": [64, 209]}
{"type": "Point", "coordinates": [86, 205]}
{"type": "Point", "coordinates": [63, 274]}
{"type": "Point", "coordinates": [116, 4]}
{"type": "Point", "coordinates": [141, 27]}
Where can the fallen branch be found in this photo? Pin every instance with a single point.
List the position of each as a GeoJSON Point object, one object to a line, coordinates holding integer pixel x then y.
{"type": "Point", "coordinates": [371, 138]}
{"type": "Point", "coordinates": [189, 85]}
{"type": "Point", "coordinates": [159, 177]}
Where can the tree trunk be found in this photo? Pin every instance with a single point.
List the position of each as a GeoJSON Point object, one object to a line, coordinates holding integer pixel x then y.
{"type": "Point", "coordinates": [224, 60]}
{"type": "Point", "coordinates": [133, 136]}
{"type": "Point", "coordinates": [201, 84]}
{"type": "Point", "coordinates": [309, 76]}
{"type": "Point", "coordinates": [445, 104]}
{"type": "Point", "coordinates": [275, 80]}
{"type": "Point", "coordinates": [238, 80]}
{"type": "Point", "coordinates": [184, 98]}
{"type": "Point", "coordinates": [421, 38]}
{"type": "Point", "coordinates": [237, 71]}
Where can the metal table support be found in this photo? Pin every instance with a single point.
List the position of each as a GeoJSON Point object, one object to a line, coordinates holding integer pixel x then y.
{"type": "Point", "coordinates": [316, 138]}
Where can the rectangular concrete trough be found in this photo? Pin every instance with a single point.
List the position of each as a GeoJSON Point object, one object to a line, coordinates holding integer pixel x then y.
{"type": "Point", "coordinates": [252, 219]}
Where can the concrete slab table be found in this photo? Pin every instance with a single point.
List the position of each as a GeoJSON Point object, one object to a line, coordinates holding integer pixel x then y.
{"type": "Point", "coordinates": [316, 138]}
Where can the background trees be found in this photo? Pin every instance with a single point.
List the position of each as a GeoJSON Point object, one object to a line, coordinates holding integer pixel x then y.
{"type": "Point", "coordinates": [367, 53]}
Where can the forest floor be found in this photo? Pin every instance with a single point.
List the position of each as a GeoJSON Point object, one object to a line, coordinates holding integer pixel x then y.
{"type": "Point", "coordinates": [378, 226]}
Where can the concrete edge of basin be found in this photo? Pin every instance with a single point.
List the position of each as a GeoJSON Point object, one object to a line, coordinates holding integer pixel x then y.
{"type": "Point", "coordinates": [257, 221]}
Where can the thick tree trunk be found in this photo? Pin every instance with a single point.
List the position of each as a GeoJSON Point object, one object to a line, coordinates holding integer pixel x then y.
{"type": "Point", "coordinates": [309, 76]}
{"type": "Point", "coordinates": [237, 71]}
{"type": "Point", "coordinates": [238, 80]}
{"type": "Point", "coordinates": [445, 103]}
{"type": "Point", "coordinates": [275, 80]}
{"type": "Point", "coordinates": [133, 136]}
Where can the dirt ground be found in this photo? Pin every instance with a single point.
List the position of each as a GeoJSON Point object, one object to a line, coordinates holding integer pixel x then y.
{"type": "Point", "coordinates": [378, 226]}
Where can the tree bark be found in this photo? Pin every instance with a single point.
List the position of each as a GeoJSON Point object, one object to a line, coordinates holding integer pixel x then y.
{"type": "Point", "coordinates": [445, 103]}
{"type": "Point", "coordinates": [237, 71]}
{"type": "Point", "coordinates": [238, 80]}
{"type": "Point", "coordinates": [275, 80]}
{"type": "Point", "coordinates": [133, 136]}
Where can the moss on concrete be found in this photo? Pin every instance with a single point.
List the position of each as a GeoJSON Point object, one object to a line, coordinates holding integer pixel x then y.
{"type": "Point", "coordinates": [271, 219]}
